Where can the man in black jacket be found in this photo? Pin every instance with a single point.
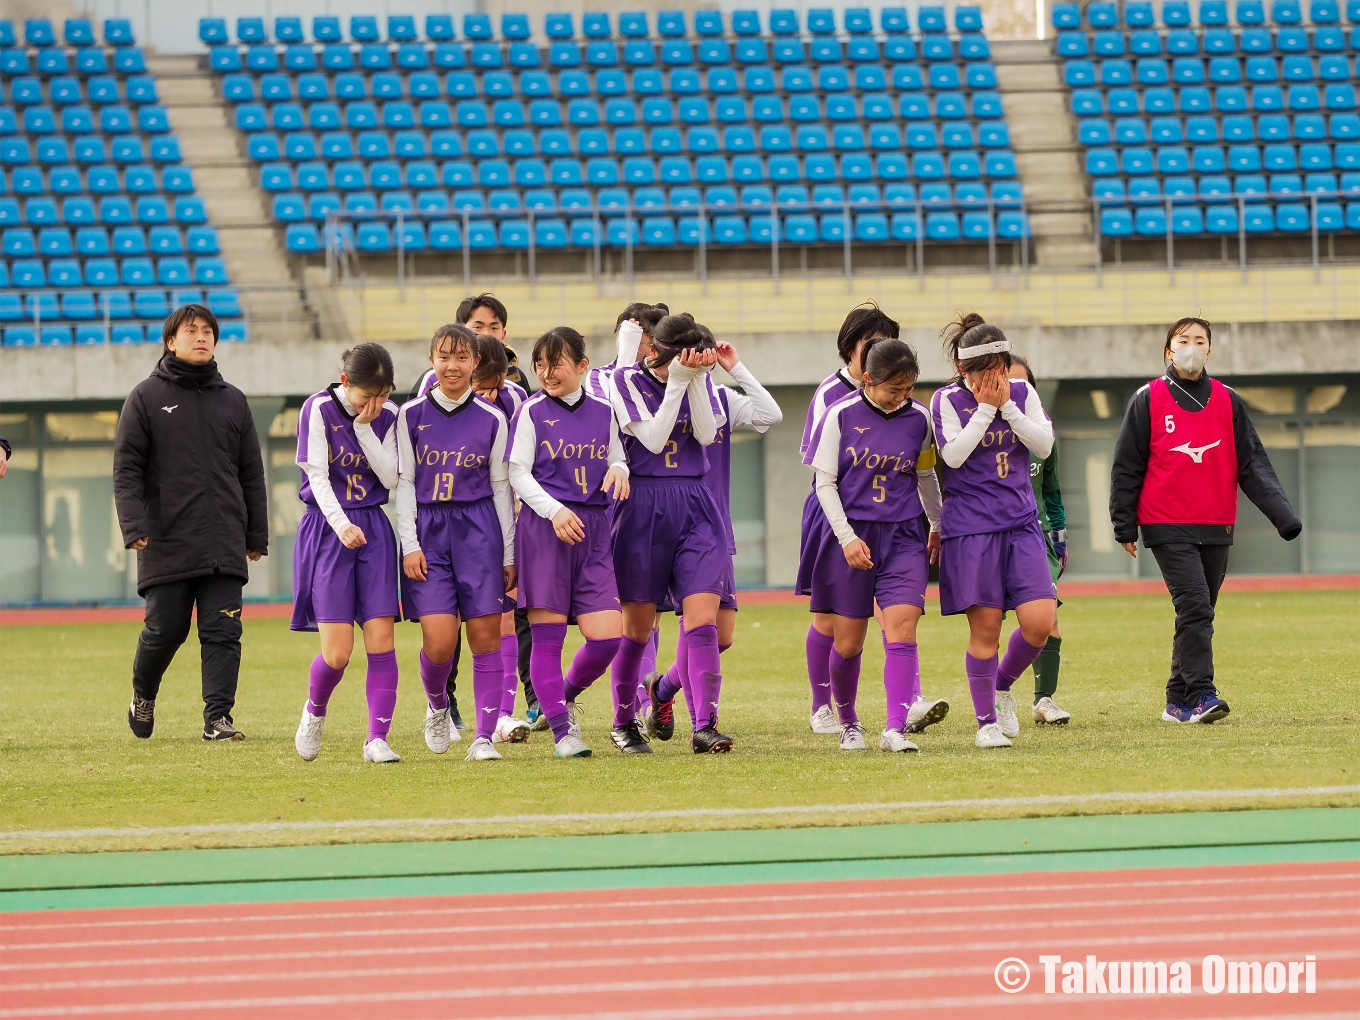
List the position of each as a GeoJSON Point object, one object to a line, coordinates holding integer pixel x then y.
{"type": "Point", "coordinates": [189, 483]}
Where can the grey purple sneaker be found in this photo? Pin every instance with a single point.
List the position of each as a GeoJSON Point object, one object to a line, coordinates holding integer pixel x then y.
{"type": "Point", "coordinates": [1177, 712]}
{"type": "Point", "coordinates": [1209, 708]}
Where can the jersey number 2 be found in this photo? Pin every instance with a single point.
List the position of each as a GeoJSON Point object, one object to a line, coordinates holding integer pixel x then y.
{"type": "Point", "coordinates": [672, 448]}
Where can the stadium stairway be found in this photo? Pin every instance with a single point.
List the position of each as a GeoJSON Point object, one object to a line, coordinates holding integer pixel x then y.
{"type": "Point", "coordinates": [1047, 156]}
{"type": "Point", "coordinates": [230, 189]}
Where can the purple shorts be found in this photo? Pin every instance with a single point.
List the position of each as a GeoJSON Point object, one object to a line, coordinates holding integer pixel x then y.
{"type": "Point", "coordinates": [568, 579]}
{"type": "Point", "coordinates": [727, 600]}
{"type": "Point", "coordinates": [332, 584]}
{"type": "Point", "coordinates": [898, 577]}
{"type": "Point", "coordinates": [463, 551]}
{"type": "Point", "coordinates": [998, 569]}
{"type": "Point", "coordinates": [669, 541]}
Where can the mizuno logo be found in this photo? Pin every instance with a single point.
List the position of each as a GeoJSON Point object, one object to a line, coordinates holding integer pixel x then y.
{"type": "Point", "coordinates": [337, 428]}
{"type": "Point", "coordinates": [230, 612]}
{"type": "Point", "coordinates": [827, 684]}
{"type": "Point", "coordinates": [381, 719]}
{"type": "Point", "coordinates": [491, 709]}
{"type": "Point", "coordinates": [421, 428]}
{"type": "Point", "coordinates": [169, 409]}
{"type": "Point", "coordinates": [714, 704]}
{"type": "Point", "coordinates": [861, 431]}
{"type": "Point", "coordinates": [1195, 453]}
{"type": "Point", "coordinates": [551, 421]}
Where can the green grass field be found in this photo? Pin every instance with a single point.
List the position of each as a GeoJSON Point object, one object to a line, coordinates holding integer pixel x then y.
{"type": "Point", "coordinates": [1286, 663]}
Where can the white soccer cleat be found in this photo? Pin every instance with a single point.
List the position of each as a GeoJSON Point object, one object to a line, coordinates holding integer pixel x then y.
{"type": "Point", "coordinates": [895, 740]}
{"type": "Point", "coordinates": [1047, 712]}
{"type": "Point", "coordinates": [824, 721]}
{"type": "Point", "coordinates": [575, 713]}
{"type": "Point", "coordinates": [571, 746]}
{"type": "Point", "coordinates": [925, 712]}
{"type": "Point", "coordinates": [308, 739]}
{"type": "Point", "coordinates": [377, 752]}
{"type": "Point", "coordinates": [439, 731]}
{"type": "Point", "coordinates": [510, 730]}
{"type": "Point", "coordinates": [1006, 714]}
{"type": "Point", "coordinates": [852, 738]}
{"type": "Point", "coordinates": [481, 750]}
{"type": "Point", "coordinates": [991, 736]}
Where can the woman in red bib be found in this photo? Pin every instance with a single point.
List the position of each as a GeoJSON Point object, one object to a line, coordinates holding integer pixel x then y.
{"type": "Point", "coordinates": [1185, 446]}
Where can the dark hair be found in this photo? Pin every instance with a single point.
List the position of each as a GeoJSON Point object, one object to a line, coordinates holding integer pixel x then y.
{"type": "Point", "coordinates": [1183, 324]}
{"type": "Point", "coordinates": [865, 322]}
{"type": "Point", "coordinates": [368, 366]}
{"type": "Point", "coordinates": [647, 315]}
{"type": "Point", "coordinates": [971, 330]}
{"type": "Point", "coordinates": [889, 360]}
{"type": "Point", "coordinates": [558, 343]}
{"type": "Point", "coordinates": [494, 360]}
{"type": "Point", "coordinates": [184, 314]}
{"type": "Point", "coordinates": [458, 336]}
{"type": "Point", "coordinates": [1017, 359]}
{"type": "Point", "coordinates": [471, 304]}
{"type": "Point", "coordinates": [676, 333]}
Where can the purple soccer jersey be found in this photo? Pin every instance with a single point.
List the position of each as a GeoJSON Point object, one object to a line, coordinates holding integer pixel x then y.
{"type": "Point", "coordinates": [874, 455]}
{"type": "Point", "coordinates": [637, 396]}
{"type": "Point", "coordinates": [598, 381]}
{"type": "Point", "coordinates": [991, 490]}
{"type": "Point", "coordinates": [452, 449]}
{"type": "Point", "coordinates": [833, 388]}
{"type": "Point", "coordinates": [508, 398]}
{"type": "Point", "coordinates": [572, 445]}
{"type": "Point", "coordinates": [352, 478]}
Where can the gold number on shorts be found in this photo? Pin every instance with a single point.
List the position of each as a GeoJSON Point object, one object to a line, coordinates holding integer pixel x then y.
{"type": "Point", "coordinates": [1003, 464]}
{"type": "Point", "coordinates": [672, 448]}
{"type": "Point", "coordinates": [443, 487]}
{"type": "Point", "coordinates": [581, 480]}
{"type": "Point", "coordinates": [882, 496]}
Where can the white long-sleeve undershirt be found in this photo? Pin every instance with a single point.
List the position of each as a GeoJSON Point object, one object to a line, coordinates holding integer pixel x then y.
{"type": "Point", "coordinates": [630, 339]}
{"type": "Point", "coordinates": [754, 409]}
{"type": "Point", "coordinates": [525, 449]}
{"type": "Point", "coordinates": [381, 455]}
{"type": "Point", "coordinates": [654, 432]}
{"type": "Point", "coordinates": [1030, 426]}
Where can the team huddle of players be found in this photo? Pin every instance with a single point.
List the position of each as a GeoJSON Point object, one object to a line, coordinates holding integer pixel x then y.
{"type": "Point", "coordinates": [602, 500]}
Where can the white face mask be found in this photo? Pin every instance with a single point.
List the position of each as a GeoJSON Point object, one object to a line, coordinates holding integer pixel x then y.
{"type": "Point", "coordinates": [1190, 358]}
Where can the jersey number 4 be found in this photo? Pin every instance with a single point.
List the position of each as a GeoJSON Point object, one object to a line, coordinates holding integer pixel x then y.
{"type": "Point", "coordinates": [581, 480]}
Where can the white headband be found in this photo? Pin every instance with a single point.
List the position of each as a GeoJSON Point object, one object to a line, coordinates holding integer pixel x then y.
{"type": "Point", "coordinates": [982, 350]}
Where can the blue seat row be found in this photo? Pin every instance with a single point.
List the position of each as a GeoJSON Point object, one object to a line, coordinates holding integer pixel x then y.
{"type": "Point", "coordinates": [118, 333]}
{"type": "Point", "coordinates": [80, 120]}
{"type": "Point", "coordinates": [139, 179]}
{"type": "Point", "coordinates": [170, 271]}
{"type": "Point", "coordinates": [490, 56]}
{"type": "Point", "coordinates": [75, 32]}
{"type": "Point", "coordinates": [80, 210]}
{"type": "Point", "coordinates": [58, 242]}
{"type": "Point", "coordinates": [1212, 13]}
{"type": "Point", "coordinates": [1223, 99]}
{"type": "Point", "coordinates": [1229, 70]}
{"type": "Point", "coordinates": [55, 62]}
{"type": "Point", "coordinates": [28, 276]}
{"type": "Point", "coordinates": [514, 27]}
{"type": "Point", "coordinates": [102, 90]}
{"type": "Point", "coordinates": [293, 207]}
{"type": "Point", "coordinates": [1081, 74]}
{"type": "Point", "coordinates": [609, 83]}
{"type": "Point", "coordinates": [1219, 187]}
{"type": "Point", "coordinates": [1208, 129]}
{"type": "Point", "coordinates": [607, 172]}
{"type": "Point", "coordinates": [1263, 218]}
{"type": "Point", "coordinates": [1183, 42]}
{"type": "Point", "coordinates": [53, 150]}
{"type": "Point", "coordinates": [1213, 159]}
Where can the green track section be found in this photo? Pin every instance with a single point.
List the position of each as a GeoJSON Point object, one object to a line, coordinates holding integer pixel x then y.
{"type": "Point", "coordinates": [64, 881]}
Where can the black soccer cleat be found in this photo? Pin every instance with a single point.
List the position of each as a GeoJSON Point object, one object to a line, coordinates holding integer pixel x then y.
{"type": "Point", "coordinates": [454, 716]}
{"type": "Point", "coordinates": [222, 729]}
{"type": "Point", "coordinates": [661, 715]}
{"type": "Point", "coordinates": [141, 717]}
{"type": "Point", "coordinates": [629, 738]}
{"type": "Point", "coordinates": [707, 740]}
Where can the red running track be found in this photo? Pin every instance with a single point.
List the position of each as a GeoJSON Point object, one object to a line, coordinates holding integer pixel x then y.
{"type": "Point", "coordinates": [924, 947]}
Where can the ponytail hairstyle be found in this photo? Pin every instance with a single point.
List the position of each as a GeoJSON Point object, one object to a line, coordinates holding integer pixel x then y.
{"type": "Point", "coordinates": [369, 367]}
{"type": "Point", "coordinates": [890, 360]}
{"type": "Point", "coordinates": [1019, 359]}
{"type": "Point", "coordinates": [971, 330]}
{"type": "Point", "coordinates": [494, 361]}
{"type": "Point", "coordinates": [1180, 326]}
{"type": "Point", "coordinates": [865, 322]}
{"type": "Point", "coordinates": [558, 343]}
{"type": "Point", "coordinates": [647, 315]}
{"type": "Point", "coordinates": [676, 333]}
{"type": "Point", "coordinates": [454, 337]}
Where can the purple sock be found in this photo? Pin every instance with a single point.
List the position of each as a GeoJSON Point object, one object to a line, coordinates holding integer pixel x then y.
{"type": "Point", "coordinates": [545, 671]}
{"type": "Point", "coordinates": [488, 685]}
{"type": "Point", "coordinates": [648, 665]}
{"type": "Point", "coordinates": [678, 674]}
{"type": "Point", "coordinates": [845, 686]}
{"type": "Point", "coordinates": [705, 673]}
{"type": "Point", "coordinates": [381, 687]}
{"type": "Point", "coordinates": [321, 684]}
{"type": "Point", "coordinates": [982, 686]}
{"type": "Point", "coordinates": [624, 675]}
{"type": "Point", "coordinates": [818, 648]}
{"type": "Point", "coordinates": [435, 677]}
{"type": "Point", "coordinates": [589, 664]}
{"type": "Point", "coordinates": [1020, 655]}
{"type": "Point", "coordinates": [510, 662]}
{"type": "Point", "coordinates": [901, 679]}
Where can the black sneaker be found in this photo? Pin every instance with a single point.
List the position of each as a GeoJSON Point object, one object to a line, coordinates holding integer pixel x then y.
{"type": "Point", "coordinates": [141, 717]}
{"type": "Point", "coordinates": [221, 729]}
{"type": "Point", "coordinates": [707, 740]}
{"type": "Point", "coordinates": [454, 715]}
{"type": "Point", "coordinates": [629, 739]}
{"type": "Point", "coordinates": [661, 715]}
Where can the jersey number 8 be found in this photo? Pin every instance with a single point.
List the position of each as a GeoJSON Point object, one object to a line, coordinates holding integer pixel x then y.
{"type": "Point", "coordinates": [1003, 464]}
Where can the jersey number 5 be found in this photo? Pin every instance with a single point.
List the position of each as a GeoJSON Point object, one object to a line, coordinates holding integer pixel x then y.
{"type": "Point", "coordinates": [672, 448]}
{"type": "Point", "coordinates": [1003, 465]}
{"type": "Point", "coordinates": [882, 496]}
{"type": "Point", "coordinates": [581, 480]}
{"type": "Point", "coordinates": [1170, 423]}
{"type": "Point", "coordinates": [443, 487]}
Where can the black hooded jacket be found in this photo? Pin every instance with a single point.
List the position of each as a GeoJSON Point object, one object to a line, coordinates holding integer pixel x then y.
{"type": "Point", "coordinates": [188, 475]}
{"type": "Point", "coordinates": [1255, 475]}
